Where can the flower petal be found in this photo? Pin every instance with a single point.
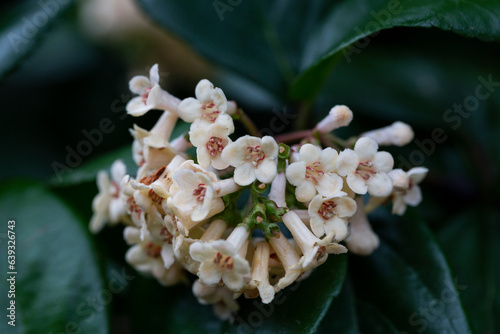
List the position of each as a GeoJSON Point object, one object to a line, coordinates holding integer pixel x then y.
{"type": "Point", "coordinates": [379, 185]}
{"type": "Point", "coordinates": [383, 162]}
{"type": "Point", "coordinates": [139, 84]}
{"type": "Point", "coordinates": [305, 191]}
{"type": "Point", "coordinates": [338, 226]}
{"type": "Point", "coordinates": [417, 174]}
{"type": "Point", "coordinates": [296, 173]}
{"type": "Point", "coordinates": [329, 184]}
{"type": "Point", "coordinates": [309, 153]}
{"type": "Point", "coordinates": [347, 162]}
{"type": "Point", "coordinates": [136, 107]}
{"type": "Point", "coordinates": [357, 184]}
{"type": "Point", "coordinates": [365, 148]}
{"type": "Point", "coordinates": [413, 196]}
{"type": "Point", "coordinates": [154, 75]}
{"type": "Point", "coordinates": [269, 147]}
{"type": "Point", "coordinates": [328, 158]}
{"type": "Point", "coordinates": [346, 207]}
{"type": "Point", "coordinates": [209, 273]}
{"type": "Point", "coordinates": [203, 90]}
{"type": "Point", "coordinates": [245, 174]}
{"type": "Point", "coordinates": [266, 171]}
{"type": "Point", "coordinates": [167, 255]}
{"type": "Point", "coordinates": [317, 225]}
{"type": "Point", "coordinates": [189, 110]}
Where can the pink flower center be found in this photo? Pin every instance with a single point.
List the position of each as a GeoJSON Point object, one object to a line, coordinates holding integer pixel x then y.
{"type": "Point", "coordinates": [326, 210]}
{"type": "Point", "coordinates": [365, 170]}
{"type": "Point", "coordinates": [210, 112]}
{"type": "Point", "coordinates": [199, 192]}
{"type": "Point", "coordinates": [255, 155]}
{"type": "Point", "coordinates": [145, 95]}
{"type": "Point", "coordinates": [152, 250]}
{"type": "Point", "coordinates": [314, 171]}
{"type": "Point", "coordinates": [214, 146]}
{"type": "Point", "coordinates": [223, 262]}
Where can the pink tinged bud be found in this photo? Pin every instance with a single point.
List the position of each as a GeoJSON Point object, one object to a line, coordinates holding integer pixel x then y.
{"type": "Point", "coordinates": [398, 134]}
{"type": "Point", "coordinates": [278, 190]}
{"type": "Point", "coordinates": [339, 116]}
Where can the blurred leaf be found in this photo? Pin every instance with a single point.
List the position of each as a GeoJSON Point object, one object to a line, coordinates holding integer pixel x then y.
{"type": "Point", "coordinates": [408, 280]}
{"type": "Point", "coordinates": [471, 242]}
{"type": "Point", "coordinates": [353, 20]}
{"type": "Point", "coordinates": [22, 26]}
{"type": "Point", "coordinates": [58, 287]}
{"type": "Point", "coordinates": [372, 322]}
{"type": "Point", "coordinates": [156, 309]}
{"type": "Point", "coordinates": [88, 171]}
{"type": "Point", "coordinates": [273, 43]}
{"type": "Point", "coordinates": [300, 306]}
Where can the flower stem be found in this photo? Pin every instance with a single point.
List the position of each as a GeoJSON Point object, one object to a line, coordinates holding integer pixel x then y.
{"type": "Point", "coordinates": [247, 122]}
{"type": "Point", "coordinates": [293, 136]}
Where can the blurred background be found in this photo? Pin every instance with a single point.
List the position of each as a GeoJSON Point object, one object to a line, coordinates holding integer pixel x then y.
{"type": "Point", "coordinates": [78, 73]}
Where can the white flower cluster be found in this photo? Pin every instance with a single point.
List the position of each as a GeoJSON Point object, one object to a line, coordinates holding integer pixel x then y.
{"type": "Point", "coordinates": [182, 216]}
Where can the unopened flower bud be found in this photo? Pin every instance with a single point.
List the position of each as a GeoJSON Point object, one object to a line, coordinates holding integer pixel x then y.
{"type": "Point", "coordinates": [338, 117]}
{"type": "Point", "coordinates": [398, 134]}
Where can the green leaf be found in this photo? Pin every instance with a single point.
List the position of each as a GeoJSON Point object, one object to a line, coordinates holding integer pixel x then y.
{"type": "Point", "coordinates": [371, 321]}
{"type": "Point", "coordinates": [302, 305]}
{"type": "Point", "coordinates": [353, 20]}
{"type": "Point", "coordinates": [58, 287]}
{"type": "Point", "coordinates": [273, 43]}
{"type": "Point", "coordinates": [22, 26]}
{"type": "Point", "coordinates": [341, 317]}
{"type": "Point", "coordinates": [88, 171]}
{"type": "Point", "coordinates": [471, 242]}
{"type": "Point", "coordinates": [408, 280]}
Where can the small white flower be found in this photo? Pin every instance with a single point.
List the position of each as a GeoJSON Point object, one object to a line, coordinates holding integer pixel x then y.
{"type": "Point", "coordinates": [221, 297]}
{"type": "Point", "coordinates": [209, 142]}
{"type": "Point", "coordinates": [151, 94]}
{"type": "Point", "coordinates": [253, 157]}
{"type": "Point", "coordinates": [366, 169]}
{"type": "Point", "coordinates": [220, 260]}
{"type": "Point", "coordinates": [209, 107]}
{"type": "Point", "coordinates": [362, 240]}
{"type": "Point", "coordinates": [314, 173]}
{"type": "Point", "coordinates": [314, 250]}
{"type": "Point", "coordinates": [338, 116]}
{"type": "Point", "coordinates": [109, 205]}
{"type": "Point", "coordinates": [147, 257]}
{"type": "Point", "coordinates": [398, 134]}
{"type": "Point", "coordinates": [329, 214]}
{"type": "Point", "coordinates": [412, 195]}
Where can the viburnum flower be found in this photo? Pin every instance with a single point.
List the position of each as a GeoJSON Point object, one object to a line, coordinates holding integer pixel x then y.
{"type": "Point", "coordinates": [329, 214]}
{"type": "Point", "coordinates": [220, 260]}
{"type": "Point", "coordinates": [146, 256]}
{"type": "Point", "coordinates": [362, 240]}
{"type": "Point", "coordinates": [209, 142]}
{"type": "Point", "coordinates": [289, 259]}
{"type": "Point", "coordinates": [314, 173]}
{"type": "Point", "coordinates": [366, 169]}
{"type": "Point", "coordinates": [398, 133]}
{"type": "Point", "coordinates": [412, 195]}
{"type": "Point", "coordinates": [253, 157]}
{"type": "Point", "coordinates": [209, 107]}
{"type": "Point", "coordinates": [260, 272]}
{"type": "Point", "coordinates": [109, 204]}
{"type": "Point", "coordinates": [314, 251]}
{"type": "Point", "coordinates": [151, 94]}
{"type": "Point", "coordinates": [221, 297]}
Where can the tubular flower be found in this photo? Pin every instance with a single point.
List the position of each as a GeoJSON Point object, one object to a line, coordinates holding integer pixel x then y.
{"type": "Point", "coordinates": [314, 173]}
{"type": "Point", "coordinates": [209, 142]}
{"type": "Point", "coordinates": [362, 240]}
{"type": "Point", "coordinates": [151, 96]}
{"type": "Point", "coordinates": [366, 169]}
{"type": "Point", "coordinates": [398, 134]}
